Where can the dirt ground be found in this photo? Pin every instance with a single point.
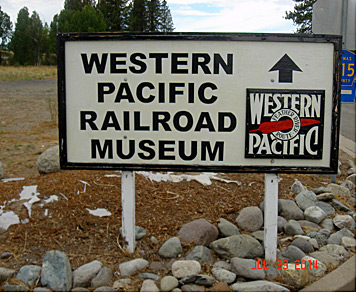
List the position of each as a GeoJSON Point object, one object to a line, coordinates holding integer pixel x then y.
{"type": "Point", "coordinates": [28, 126]}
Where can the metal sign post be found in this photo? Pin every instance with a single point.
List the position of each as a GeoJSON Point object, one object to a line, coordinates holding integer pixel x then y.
{"type": "Point", "coordinates": [128, 209]}
{"type": "Point", "coordinates": [271, 217]}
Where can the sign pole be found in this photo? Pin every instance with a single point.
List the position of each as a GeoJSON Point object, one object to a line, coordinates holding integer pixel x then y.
{"type": "Point", "coordinates": [271, 217]}
{"type": "Point", "coordinates": [128, 209]}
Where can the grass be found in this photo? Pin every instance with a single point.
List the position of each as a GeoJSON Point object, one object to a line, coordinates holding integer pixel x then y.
{"type": "Point", "coordinates": [15, 73]}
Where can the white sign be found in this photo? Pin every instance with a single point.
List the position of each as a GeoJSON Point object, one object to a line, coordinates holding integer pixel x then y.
{"type": "Point", "coordinates": [197, 101]}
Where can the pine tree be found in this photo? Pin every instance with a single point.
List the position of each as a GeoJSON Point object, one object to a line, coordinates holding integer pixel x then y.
{"type": "Point", "coordinates": [116, 14]}
{"type": "Point", "coordinates": [36, 35]}
{"type": "Point", "coordinates": [302, 16]}
{"type": "Point", "coordinates": [138, 16]}
{"type": "Point", "coordinates": [5, 29]}
{"type": "Point", "coordinates": [166, 23]}
{"type": "Point", "coordinates": [21, 40]}
{"type": "Point", "coordinates": [78, 5]}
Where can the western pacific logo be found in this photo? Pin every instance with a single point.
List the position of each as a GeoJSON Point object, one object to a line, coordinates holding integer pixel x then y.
{"type": "Point", "coordinates": [284, 123]}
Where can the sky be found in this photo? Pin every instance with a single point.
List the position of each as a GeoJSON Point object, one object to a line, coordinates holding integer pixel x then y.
{"type": "Point", "coordinates": [193, 15]}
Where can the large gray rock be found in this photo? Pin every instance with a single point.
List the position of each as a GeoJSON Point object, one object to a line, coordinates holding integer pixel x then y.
{"type": "Point", "coordinates": [83, 275]}
{"type": "Point", "coordinates": [224, 275]}
{"type": "Point", "coordinates": [304, 244]}
{"type": "Point", "coordinates": [243, 246]}
{"type": "Point", "coordinates": [132, 266]}
{"type": "Point", "coordinates": [326, 207]}
{"type": "Point", "coordinates": [289, 210]}
{"type": "Point", "coordinates": [293, 227]}
{"type": "Point", "coordinates": [227, 228]}
{"type": "Point", "coordinates": [48, 161]}
{"type": "Point", "coordinates": [6, 274]}
{"type": "Point", "coordinates": [281, 224]}
{"type": "Point", "coordinates": [171, 248]}
{"type": "Point", "coordinates": [56, 271]}
{"type": "Point", "coordinates": [348, 242]}
{"type": "Point", "coordinates": [200, 232]}
{"type": "Point", "coordinates": [103, 278]}
{"type": "Point", "coordinates": [202, 254]}
{"type": "Point", "coordinates": [258, 286]}
{"type": "Point", "coordinates": [29, 274]}
{"type": "Point", "coordinates": [245, 268]}
{"type": "Point", "coordinates": [250, 219]}
{"type": "Point", "coordinates": [314, 214]}
{"type": "Point", "coordinates": [297, 186]}
{"type": "Point", "coordinates": [327, 259]}
{"type": "Point", "coordinates": [183, 268]}
{"type": "Point", "coordinates": [336, 250]}
{"type": "Point", "coordinates": [293, 253]}
{"type": "Point", "coordinates": [306, 199]}
{"type": "Point", "coordinates": [149, 286]}
{"type": "Point", "coordinates": [343, 221]}
{"type": "Point", "coordinates": [340, 206]}
{"type": "Point", "coordinates": [336, 238]}
{"type": "Point", "coordinates": [315, 267]}
{"type": "Point", "coordinates": [339, 190]}
{"type": "Point", "coordinates": [168, 283]}
{"type": "Point", "coordinates": [321, 238]}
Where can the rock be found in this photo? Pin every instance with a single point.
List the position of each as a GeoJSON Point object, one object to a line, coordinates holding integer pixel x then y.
{"type": "Point", "coordinates": [293, 227]}
{"type": "Point", "coordinates": [168, 283]}
{"type": "Point", "coordinates": [250, 219]}
{"type": "Point", "coordinates": [295, 276]}
{"type": "Point", "coordinates": [314, 214]}
{"type": "Point", "coordinates": [150, 276]}
{"type": "Point", "coordinates": [327, 224]}
{"type": "Point", "coordinates": [56, 271]}
{"type": "Point", "coordinates": [158, 266]}
{"type": "Point", "coordinates": [335, 249]}
{"type": "Point", "coordinates": [15, 288]}
{"type": "Point", "coordinates": [327, 208]}
{"type": "Point", "coordinates": [29, 274]}
{"type": "Point", "coordinates": [281, 224]}
{"type": "Point", "coordinates": [105, 289]}
{"type": "Point", "coordinates": [6, 274]}
{"type": "Point", "coordinates": [220, 287]}
{"type": "Point", "coordinates": [149, 286]}
{"type": "Point", "coordinates": [315, 267]}
{"type": "Point", "coordinates": [303, 244]}
{"type": "Point", "coordinates": [348, 242]}
{"type": "Point", "coordinates": [204, 280]}
{"type": "Point", "coordinates": [271, 273]}
{"type": "Point", "coordinates": [298, 187]}
{"type": "Point", "coordinates": [343, 221]}
{"type": "Point", "coordinates": [132, 266]}
{"type": "Point", "coordinates": [103, 278]}
{"type": "Point", "coordinates": [339, 190]}
{"type": "Point", "coordinates": [122, 284]}
{"type": "Point", "coordinates": [339, 205]}
{"type": "Point", "coordinates": [327, 259]}
{"type": "Point", "coordinates": [351, 170]}
{"type": "Point", "coordinates": [293, 253]}
{"type": "Point", "coordinates": [223, 265]}
{"type": "Point", "coordinates": [336, 238]}
{"type": "Point", "coordinates": [258, 286]}
{"type": "Point", "coordinates": [308, 226]}
{"type": "Point", "coordinates": [227, 228]}
{"type": "Point", "coordinates": [319, 237]}
{"type": "Point", "coordinates": [200, 232]}
{"type": "Point", "coordinates": [244, 246]}
{"type": "Point", "coordinates": [325, 196]}
{"type": "Point", "coordinates": [289, 210]}
{"type": "Point", "coordinates": [259, 235]}
{"type": "Point", "coordinates": [48, 161]}
{"type": "Point", "coordinates": [352, 178]}
{"type": "Point", "coordinates": [171, 248]}
{"type": "Point", "coordinates": [2, 175]}
{"type": "Point", "coordinates": [202, 254]}
{"type": "Point", "coordinates": [223, 275]}
{"type": "Point", "coordinates": [245, 268]}
{"type": "Point", "coordinates": [83, 275]}
{"type": "Point", "coordinates": [306, 199]}
{"type": "Point", "coordinates": [41, 289]}
{"type": "Point", "coordinates": [139, 232]}
{"type": "Point", "coordinates": [5, 255]}
{"type": "Point", "coordinates": [80, 289]}
{"type": "Point", "coordinates": [321, 190]}
{"type": "Point", "coordinates": [184, 268]}
{"type": "Point", "coordinates": [154, 240]}
{"type": "Point", "coordinates": [192, 288]}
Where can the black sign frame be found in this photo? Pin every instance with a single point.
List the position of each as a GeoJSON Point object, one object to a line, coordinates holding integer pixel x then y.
{"type": "Point", "coordinates": [254, 37]}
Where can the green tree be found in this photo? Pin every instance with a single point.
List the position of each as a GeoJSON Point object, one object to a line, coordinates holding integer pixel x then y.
{"type": "Point", "coordinates": [116, 14]}
{"type": "Point", "coordinates": [150, 16]}
{"type": "Point", "coordinates": [5, 29]}
{"type": "Point", "coordinates": [21, 39]}
{"type": "Point", "coordinates": [302, 16]}
{"type": "Point", "coordinates": [36, 35]}
{"type": "Point", "coordinates": [78, 4]}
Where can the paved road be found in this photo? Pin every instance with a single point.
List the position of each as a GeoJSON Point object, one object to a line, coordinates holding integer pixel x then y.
{"type": "Point", "coordinates": [348, 121]}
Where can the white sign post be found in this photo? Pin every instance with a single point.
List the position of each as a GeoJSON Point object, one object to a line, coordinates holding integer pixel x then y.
{"type": "Point", "coordinates": [128, 209]}
{"type": "Point", "coordinates": [265, 103]}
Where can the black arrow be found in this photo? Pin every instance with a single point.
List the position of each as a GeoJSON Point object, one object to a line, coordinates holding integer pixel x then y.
{"type": "Point", "coordinates": [285, 66]}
